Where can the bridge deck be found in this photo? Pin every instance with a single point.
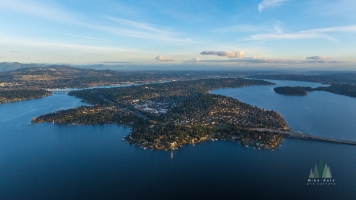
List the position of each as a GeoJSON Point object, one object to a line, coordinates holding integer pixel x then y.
{"type": "Point", "coordinates": [306, 136]}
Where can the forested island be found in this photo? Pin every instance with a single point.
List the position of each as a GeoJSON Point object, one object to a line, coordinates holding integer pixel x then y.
{"type": "Point", "coordinates": [7, 96]}
{"type": "Point", "coordinates": [298, 91]}
{"type": "Point", "coordinates": [169, 115]}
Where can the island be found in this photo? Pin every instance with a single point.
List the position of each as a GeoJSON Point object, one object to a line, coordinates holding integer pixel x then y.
{"type": "Point", "coordinates": [7, 96]}
{"type": "Point", "coordinates": [169, 115]}
{"type": "Point", "coordinates": [295, 91]}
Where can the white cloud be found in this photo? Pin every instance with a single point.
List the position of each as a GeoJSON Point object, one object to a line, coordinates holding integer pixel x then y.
{"type": "Point", "coordinates": [242, 28]}
{"type": "Point", "coordinates": [269, 3]}
{"type": "Point", "coordinates": [320, 33]}
{"type": "Point", "coordinates": [229, 54]}
{"type": "Point", "coordinates": [138, 29]}
{"type": "Point", "coordinates": [293, 36]}
{"type": "Point", "coordinates": [194, 60]}
{"type": "Point", "coordinates": [56, 52]}
{"type": "Point", "coordinates": [338, 29]}
{"type": "Point", "coordinates": [50, 11]}
{"type": "Point", "coordinates": [137, 25]}
{"type": "Point", "coordinates": [317, 57]}
{"type": "Point", "coordinates": [55, 12]}
{"type": "Point", "coordinates": [87, 37]}
{"type": "Point", "coordinates": [162, 58]}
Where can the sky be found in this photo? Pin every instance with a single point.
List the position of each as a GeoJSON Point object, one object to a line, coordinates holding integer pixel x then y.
{"type": "Point", "coordinates": [234, 33]}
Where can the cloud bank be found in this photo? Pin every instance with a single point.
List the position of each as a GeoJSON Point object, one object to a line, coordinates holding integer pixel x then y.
{"type": "Point", "coordinates": [317, 57]}
{"type": "Point", "coordinates": [266, 61]}
{"type": "Point", "coordinates": [229, 54]}
{"type": "Point", "coordinates": [162, 58]}
{"type": "Point", "coordinates": [269, 3]}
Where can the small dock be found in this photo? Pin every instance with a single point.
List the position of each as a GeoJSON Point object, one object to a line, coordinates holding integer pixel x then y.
{"type": "Point", "coordinates": [300, 135]}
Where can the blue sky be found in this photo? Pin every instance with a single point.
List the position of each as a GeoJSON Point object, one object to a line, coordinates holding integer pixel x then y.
{"type": "Point", "coordinates": [296, 33]}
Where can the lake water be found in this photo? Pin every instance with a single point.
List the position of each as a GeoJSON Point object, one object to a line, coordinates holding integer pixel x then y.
{"type": "Point", "coordinates": [49, 161]}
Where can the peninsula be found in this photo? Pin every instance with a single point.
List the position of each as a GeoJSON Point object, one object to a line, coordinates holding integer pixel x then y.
{"type": "Point", "coordinates": [168, 115]}
{"type": "Point", "coordinates": [7, 96]}
{"type": "Point", "coordinates": [339, 83]}
{"type": "Point", "coordinates": [341, 89]}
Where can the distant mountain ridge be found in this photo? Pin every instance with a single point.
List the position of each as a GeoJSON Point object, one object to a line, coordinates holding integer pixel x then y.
{"type": "Point", "coordinates": [11, 66]}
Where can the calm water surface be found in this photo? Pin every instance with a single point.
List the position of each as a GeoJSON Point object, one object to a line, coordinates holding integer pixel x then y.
{"type": "Point", "coordinates": [318, 113]}
{"type": "Point", "coordinates": [49, 161]}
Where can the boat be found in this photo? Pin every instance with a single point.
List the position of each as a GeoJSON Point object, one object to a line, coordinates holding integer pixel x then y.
{"type": "Point", "coordinates": [171, 154]}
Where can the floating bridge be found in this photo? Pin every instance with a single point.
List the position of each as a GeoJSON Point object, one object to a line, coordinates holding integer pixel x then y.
{"type": "Point", "coordinates": [301, 135]}
{"type": "Point", "coordinates": [61, 91]}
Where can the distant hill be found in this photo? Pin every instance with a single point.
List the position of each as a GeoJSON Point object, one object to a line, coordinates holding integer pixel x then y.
{"type": "Point", "coordinates": [61, 76]}
{"type": "Point", "coordinates": [10, 66]}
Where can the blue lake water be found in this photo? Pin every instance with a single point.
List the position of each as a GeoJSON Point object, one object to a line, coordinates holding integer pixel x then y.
{"type": "Point", "coordinates": [49, 161]}
{"type": "Point", "coordinates": [318, 113]}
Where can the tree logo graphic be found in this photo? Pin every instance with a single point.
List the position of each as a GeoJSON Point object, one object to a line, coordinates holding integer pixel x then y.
{"type": "Point", "coordinates": [321, 175]}
{"type": "Point", "coordinates": [322, 171]}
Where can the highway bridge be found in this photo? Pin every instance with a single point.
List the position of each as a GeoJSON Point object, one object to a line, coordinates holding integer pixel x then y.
{"type": "Point", "coordinates": [301, 135]}
{"type": "Point", "coordinates": [61, 91]}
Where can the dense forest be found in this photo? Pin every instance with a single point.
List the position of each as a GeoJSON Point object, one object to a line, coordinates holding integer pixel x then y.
{"type": "Point", "coordinates": [298, 91]}
{"type": "Point", "coordinates": [341, 89]}
{"type": "Point", "coordinates": [7, 96]}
